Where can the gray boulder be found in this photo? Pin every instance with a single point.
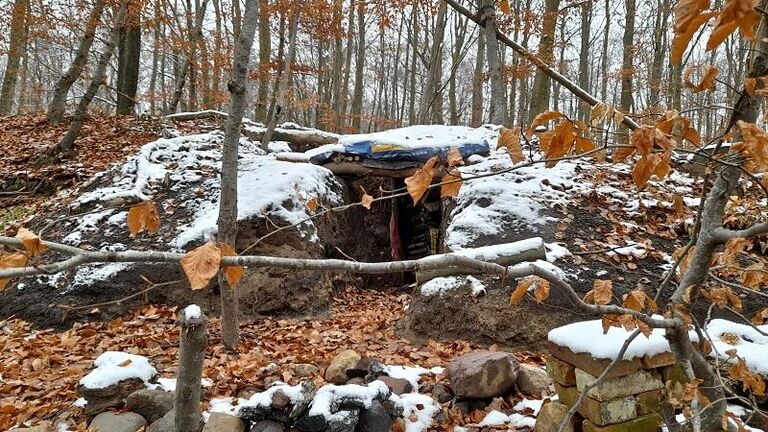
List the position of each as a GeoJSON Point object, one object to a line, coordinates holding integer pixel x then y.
{"type": "Point", "coordinates": [117, 422]}
{"type": "Point", "coordinates": [151, 404]}
{"type": "Point", "coordinates": [267, 426]}
{"type": "Point", "coordinates": [100, 399]}
{"type": "Point", "coordinates": [220, 422]}
{"type": "Point", "coordinates": [533, 380]}
{"type": "Point", "coordinates": [483, 374]}
{"type": "Point", "coordinates": [374, 419]}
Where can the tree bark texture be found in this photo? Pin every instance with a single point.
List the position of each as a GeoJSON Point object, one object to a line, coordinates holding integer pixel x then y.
{"type": "Point", "coordinates": [192, 343]}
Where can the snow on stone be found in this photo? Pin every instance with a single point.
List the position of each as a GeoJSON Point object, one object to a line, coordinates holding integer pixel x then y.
{"type": "Point", "coordinates": [264, 399]}
{"type": "Point", "coordinates": [279, 147]}
{"type": "Point", "coordinates": [515, 420]}
{"type": "Point", "coordinates": [411, 373]}
{"type": "Point", "coordinates": [523, 194]}
{"type": "Point", "coordinates": [421, 136]}
{"type": "Point", "coordinates": [418, 410]}
{"type": "Point", "coordinates": [587, 337]}
{"type": "Point", "coordinates": [478, 287]}
{"type": "Point", "coordinates": [80, 403]}
{"type": "Point", "coordinates": [494, 252]}
{"type": "Point", "coordinates": [265, 187]}
{"type": "Point", "coordinates": [440, 285]}
{"type": "Point", "coordinates": [192, 311]}
{"type": "Point", "coordinates": [114, 366]}
{"type": "Point", "coordinates": [749, 344]}
{"type": "Point", "coordinates": [325, 398]}
{"type": "Point", "coordinates": [555, 251]}
{"type": "Point", "coordinates": [534, 405]}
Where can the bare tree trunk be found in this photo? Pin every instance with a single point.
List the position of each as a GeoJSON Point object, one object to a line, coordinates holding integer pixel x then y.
{"type": "Point", "coordinates": [430, 92]}
{"type": "Point", "coordinates": [338, 62]}
{"type": "Point", "coordinates": [265, 48]}
{"type": "Point", "coordinates": [285, 78]}
{"type": "Point", "coordinates": [357, 98]}
{"type": "Point", "coordinates": [56, 107]}
{"type": "Point", "coordinates": [227, 222]}
{"type": "Point", "coordinates": [541, 84]}
{"type": "Point", "coordinates": [344, 94]}
{"type": "Point", "coordinates": [196, 34]}
{"type": "Point", "coordinates": [15, 52]}
{"type": "Point", "coordinates": [129, 55]}
{"type": "Point", "coordinates": [477, 82]}
{"type": "Point", "coordinates": [498, 95]}
{"type": "Point", "coordinates": [192, 342]}
{"type": "Point", "coordinates": [67, 143]}
{"type": "Point", "coordinates": [659, 51]}
{"type": "Point", "coordinates": [155, 61]}
{"type": "Point", "coordinates": [604, 64]}
{"type": "Point", "coordinates": [627, 64]}
{"type": "Point", "coordinates": [586, 23]}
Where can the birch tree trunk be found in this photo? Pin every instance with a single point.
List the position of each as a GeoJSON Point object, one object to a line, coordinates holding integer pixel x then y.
{"type": "Point", "coordinates": [195, 36]}
{"type": "Point", "coordinates": [498, 113]}
{"type": "Point", "coordinates": [541, 83]}
{"type": "Point", "coordinates": [67, 143]}
{"type": "Point", "coordinates": [58, 102]}
{"type": "Point", "coordinates": [227, 222]}
{"type": "Point", "coordinates": [15, 52]}
{"type": "Point", "coordinates": [285, 78]}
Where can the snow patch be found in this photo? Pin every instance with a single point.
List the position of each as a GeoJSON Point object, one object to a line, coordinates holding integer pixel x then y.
{"type": "Point", "coordinates": [192, 311]}
{"type": "Point", "coordinates": [114, 366]}
{"type": "Point", "coordinates": [749, 344]}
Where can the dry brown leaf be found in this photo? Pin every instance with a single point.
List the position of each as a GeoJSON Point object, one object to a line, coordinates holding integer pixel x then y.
{"type": "Point", "coordinates": [542, 290]}
{"type": "Point", "coordinates": [510, 139]}
{"type": "Point", "coordinates": [233, 273]}
{"type": "Point", "coordinates": [31, 241]}
{"type": "Point", "coordinates": [542, 119]}
{"type": "Point", "coordinates": [707, 80]}
{"type": "Point", "coordinates": [14, 260]}
{"type": "Point", "coordinates": [201, 264]}
{"type": "Point", "coordinates": [452, 187]}
{"type": "Point", "coordinates": [601, 292]}
{"type": "Point", "coordinates": [522, 287]}
{"type": "Point", "coordinates": [313, 204]}
{"type": "Point", "coordinates": [644, 168]}
{"type": "Point", "coordinates": [690, 15]}
{"type": "Point", "coordinates": [737, 14]}
{"type": "Point", "coordinates": [755, 145]}
{"type": "Point", "coordinates": [419, 182]}
{"type": "Point", "coordinates": [454, 157]}
{"type": "Point", "coordinates": [367, 201]}
{"type": "Point", "coordinates": [599, 114]}
{"type": "Point", "coordinates": [504, 6]}
{"type": "Point", "coordinates": [750, 85]}
{"type": "Point", "coordinates": [143, 216]}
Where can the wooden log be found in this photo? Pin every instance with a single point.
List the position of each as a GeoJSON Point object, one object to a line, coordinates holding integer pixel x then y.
{"type": "Point", "coordinates": [192, 343]}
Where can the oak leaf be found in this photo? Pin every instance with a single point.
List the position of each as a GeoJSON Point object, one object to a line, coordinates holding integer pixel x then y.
{"type": "Point", "coordinates": [201, 264]}
{"type": "Point", "coordinates": [419, 182]}
{"type": "Point", "coordinates": [232, 273]}
{"type": "Point", "coordinates": [755, 145]}
{"type": "Point", "coordinates": [31, 241]}
{"type": "Point", "coordinates": [143, 216]}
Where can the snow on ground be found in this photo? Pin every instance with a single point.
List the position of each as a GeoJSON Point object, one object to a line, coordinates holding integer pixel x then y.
{"type": "Point", "coordinates": [749, 343]}
{"type": "Point", "coordinates": [114, 366]}
{"type": "Point", "coordinates": [588, 337]}
{"type": "Point", "coordinates": [411, 373]}
{"type": "Point", "coordinates": [421, 136]}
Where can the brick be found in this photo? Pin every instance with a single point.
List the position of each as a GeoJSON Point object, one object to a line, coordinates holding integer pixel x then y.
{"type": "Point", "coordinates": [567, 395]}
{"type": "Point", "coordinates": [608, 412]}
{"type": "Point", "coordinates": [592, 365]}
{"type": "Point", "coordinates": [561, 372]}
{"type": "Point", "coordinates": [649, 402]}
{"type": "Point", "coordinates": [648, 423]}
{"type": "Point", "coordinates": [627, 385]}
{"type": "Point", "coordinates": [550, 417]}
{"type": "Point", "coordinates": [674, 373]}
{"type": "Point", "coordinates": [659, 360]}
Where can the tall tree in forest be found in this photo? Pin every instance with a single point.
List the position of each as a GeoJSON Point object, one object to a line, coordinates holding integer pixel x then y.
{"type": "Point", "coordinates": [478, 78]}
{"type": "Point", "coordinates": [498, 94]}
{"type": "Point", "coordinates": [431, 88]}
{"type": "Point", "coordinates": [541, 83]}
{"type": "Point", "coordinates": [67, 143]}
{"type": "Point", "coordinates": [659, 51]}
{"type": "Point", "coordinates": [586, 24]}
{"type": "Point", "coordinates": [357, 96]}
{"type": "Point", "coordinates": [128, 57]}
{"type": "Point", "coordinates": [265, 49]}
{"type": "Point", "coordinates": [195, 34]}
{"type": "Point", "coordinates": [58, 102]}
{"type": "Point", "coordinates": [227, 222]}
{"type": "Point", "coordinates": [16, 48]}
{"type": "Point", "coordinates": [285, 78]}
{"type": "Point", "coordinates": [627, 64]}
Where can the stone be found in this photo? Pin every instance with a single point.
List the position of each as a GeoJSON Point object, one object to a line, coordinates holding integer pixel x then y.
{"type": "Point", "coordinates": [220, 422]}
{"type": "Point", "coordinates": [357, 381]}
{"type": "Point", "coordinates": [101, 399]}
{"type": "Point", "coordinates": [567, 395]}
{"type": "Point", "coordinates": [374, 419]}
{"type": "Point", "coordinates": [344, 421]}
{"type": "Point", "coordinates": [367, 368]}
{"type": "Point", "coordinates": [608, 412]}
{"type": "Point", "coordinates": [647, 423]}
{"type": "Point", "coordinates": [550, 417]}
{"type": "Point", "coordinates": [117, 422]}
{"type": "Point", "coordinates": [305, 370]}
{"type": "Point", "coordinates": [267, 426]}
{"type": "Point", "coordinates": [627, 385]}
{"type": "Point", "coordinates": [280, 400]}
{"type": "Point", "coordinates": [151, 404]}
{"type": "Point", "coordinates": [560, 371]}
{"type": "Point", "coordinates": [40, 428]}
{"type": "Point", "coordinates": [649, 402]}
{"type": "Point", "coordinates": [441, 393]}
{"type": "Point", "coordinates": [336, 373]}
{"type": "Point", "coordinates": [165, 423]}
{"type": "Point", "coordinates": [281, 408]}
{"type": "Point", "coordinates": [483, 374]}
{"type": "Point", "coordinates": [533, 380]}
{"type": "Point", "coordinates": [397, 386]}
{"type": "Point", "coordinates": [659, 360]}
{"type": "Point", "coordinates": [674, 373]}
{"type": "Point", "coordinates": [466, 406]}
{"type": "Point", "coordinates": [592, 365]}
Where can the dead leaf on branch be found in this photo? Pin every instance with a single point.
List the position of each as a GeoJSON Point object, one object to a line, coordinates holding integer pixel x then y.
{"type": "Point", "coordinates": [539, 285]}
{"type": "Point", "coordinates": [737, 14]}
{"type": "Point", "coordinates": [232, 273]}
{"type": "Point", "coordinates": [601, 292]}
{"type": "Point", "coordinates": [201, 264]}
{"type": "Point", "coordinates": [687, 28]}
{"type": "Point", "coordinates": [600, 113]}
{"type": "Point", "coordinates": [638, 299]}
{"type": "Point", "coordinates": [749, 380]}
{"type": "Point", "coordinates": [14, 260]}
{"type": "Point", "coordinates": [542, 119]}
{"type": "Point", "coordinates": [454, 157]}
{"type": "Point", "coordinates": [675, 125]}
{"type": "Point", "coordinates": [419, 182]}
{"type": "Point", "coordinates": [143, 216]}
{"type": "Point", "coordinates": [504, 7]}
{"type": "Point", "coordinates": [451, 185]}
{"type": "Point", "coordinates": [707, 79]}
{"type": "Point", "coordinates": [754, 146]}
{"type": "Point", "coordinates": [510, 140]}
{"type": "Point", "coordinates": [31, 241]}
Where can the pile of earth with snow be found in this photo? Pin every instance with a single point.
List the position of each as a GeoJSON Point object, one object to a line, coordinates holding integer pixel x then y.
{"type": "Point", "coordinates": [181, 176]}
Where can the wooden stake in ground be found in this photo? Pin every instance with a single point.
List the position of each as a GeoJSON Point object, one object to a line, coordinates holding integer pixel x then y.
{"type": "Point", "coordinates": [192, 343]}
